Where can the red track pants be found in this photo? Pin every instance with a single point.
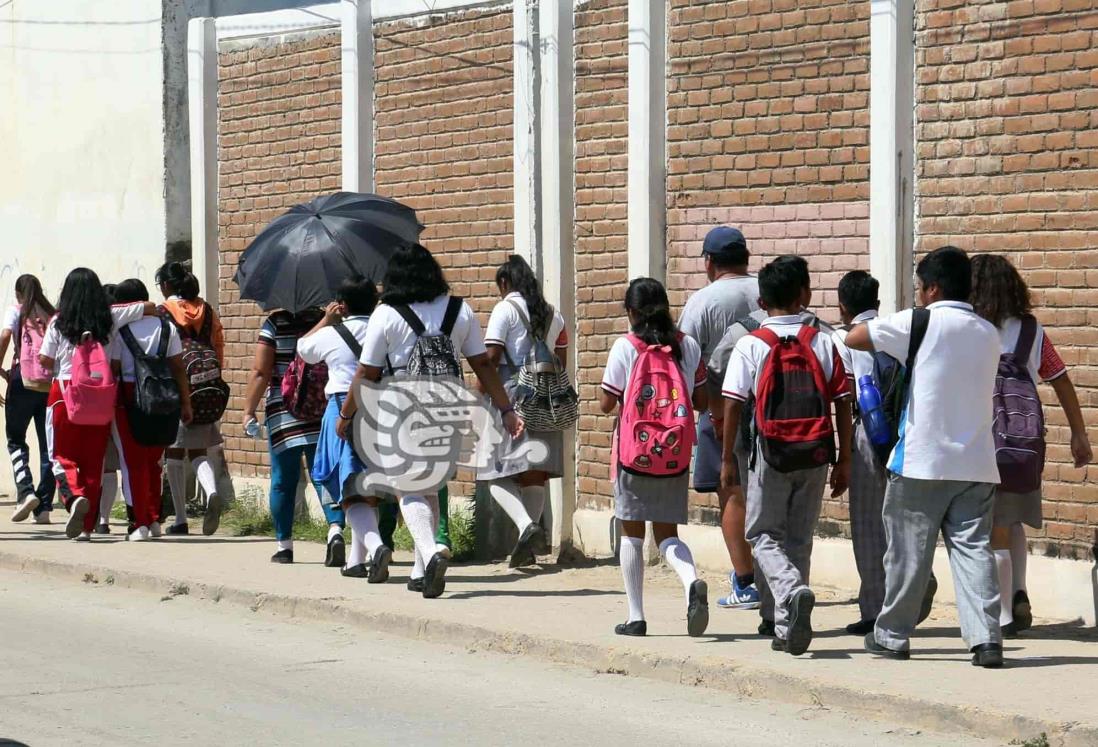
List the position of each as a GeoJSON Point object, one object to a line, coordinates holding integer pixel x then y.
{"type": "Point", "coordinates": [140, 468]}
{"type": "Point", "coordinates": [77, 453]}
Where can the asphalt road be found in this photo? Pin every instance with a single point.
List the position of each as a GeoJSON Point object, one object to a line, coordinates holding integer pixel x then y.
{"type": "Point", "coordinates": [94, 664]}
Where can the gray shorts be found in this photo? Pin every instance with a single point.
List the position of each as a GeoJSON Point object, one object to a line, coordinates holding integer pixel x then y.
{"type": "Point", "coordinates": [707, 458]}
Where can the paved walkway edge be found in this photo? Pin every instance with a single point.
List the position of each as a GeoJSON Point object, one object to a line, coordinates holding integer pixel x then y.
{"type": "Point", "coordinates": [710, 672]}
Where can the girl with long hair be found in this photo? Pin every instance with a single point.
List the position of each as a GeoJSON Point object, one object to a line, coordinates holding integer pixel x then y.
{"type": "Point", "coordinates": [1001, 296]}
{"type": "Point", "coordinates": [517, 484]}
{"type": "Point", "coordinates": [25, 323]}
{"type": "Point", "coordinates": [200, 443]}
{"type": "Point", "coordinates": [640, 498]}
{"type": "Point", "coordinates": [416, 291]}
{"type": "Point", "coordinates": [77, 450]}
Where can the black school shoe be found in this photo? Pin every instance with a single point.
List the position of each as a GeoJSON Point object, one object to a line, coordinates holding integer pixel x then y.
{"type": "Point", "coordinates": [861, 627]}
{"type": "Point", "coordinates": [283, 556]}
{"type": "Point", "coordinates": [178, 529]}
{"type": "Point", "coordinates": [523, 554]}
{"type": "Point", "coordinates": [766, 628]}
{"type": "Point", "coordinates": [987, 655]}
{"type": "Point", "coordinates": [877, 649]}
{"type": "Point", "coordinates": [637, 628]}
{"type": "Point", "coordinates": [1023, 613]}
{"type": "Point", "coordinates": [434, 579]}
{"type": "Point", "coordinates": [355, 571]}
{"type": "Point", "coordinates": [778, 644]}
{"type": "Point", "coordinates": [697, 609]}
{"type": "Point", "coordinates": [337, 552]}
{"type": "Point", "coordinates": [379, 565]}
{"type": "Point", "coordinates": [799, 636]}
{"type": "Point", "coordinates": [416, 585]}
{"type": "Point", "coordinates": [928, 600]}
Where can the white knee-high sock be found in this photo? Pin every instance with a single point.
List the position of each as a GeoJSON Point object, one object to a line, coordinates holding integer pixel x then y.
{"type": "Point", "coordinates": [1019, 557]}
{"type": "Point", "coordinates": [1006, 607]}
{"type": "Point", "coordinates": [178, 483]}
{"type": "Point", "coordinates": [507, 494]}
{"type": "Point", "coordinates": [419, 568]}
{"type": "Point", "coordinates": [533, 498]}
{"type": "Point", "coordinates": [365, 538]}
{"type": "Point", "coordinates": [110, 492]}
{"type": "Point", "coordinates": [420, 520]}
{"type": "Point", "coordinates": [204, 473]}
{"type": "Point", "coordinates": [678, 556]}
{"type": "Point", "coordinates": [631, 556]}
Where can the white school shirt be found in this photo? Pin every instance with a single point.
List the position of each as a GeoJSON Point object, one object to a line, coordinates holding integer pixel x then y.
{"type": "Point", "coordinates": [328, 346]}
{"type": "Point", "coordinates": [623, 356]}
{"type": "Point", "coordinates": [387, 334]}
{"type": "Point", "coordinates": [858, 363]}
{"type": "Point", "coordinates": [146, 332]}
{"type": "Point", "coordinates": [745, 364]}
{"type": "Point", "coordinates": [1044, 362]}
{"type": "Point", "coordinates": [945, 430]}
{"type": "Point", "coordinates": [11, 319]}
{"type": "Point", "coordinates": [506, 329]}
{"type": "Point", "coordinates": [60, 349]}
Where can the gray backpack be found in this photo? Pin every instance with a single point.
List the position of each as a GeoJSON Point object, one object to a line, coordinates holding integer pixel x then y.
{"type": "Point", "coordinates": [544, 395]}
{"type": "Point", "coordinates": [433, 355]}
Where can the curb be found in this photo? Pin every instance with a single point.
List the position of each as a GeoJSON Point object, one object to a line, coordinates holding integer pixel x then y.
{"type": "Point", "coordinates": [709, 672]}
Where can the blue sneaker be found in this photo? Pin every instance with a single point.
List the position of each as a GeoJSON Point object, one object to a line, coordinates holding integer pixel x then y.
{"type": "Point", "coordinates": [740, 597]}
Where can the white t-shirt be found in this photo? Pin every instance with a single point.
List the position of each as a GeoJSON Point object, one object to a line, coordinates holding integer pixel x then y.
{"type": "Point", "coordinates": [506, 329]}
{"type": "Point", "coordinates": [1044, 362]}
{"type": "Point", "coordinates": [328, 345]}
{"type": "Point", "coordinates": [741, 377]}
{"type": "Point", "coordinates": [11, 319]}
{"type": "Point", "coordinates": [387, 334]}
{"type": "Point", "coordinates": [858, 363]}
{"type": "Point", "coordinates": [60, 349]}
{"type": "Point", "coordinates": [623, 356]}
{"type": "Point", "coordinates": [147, 333]}
{"type": "Point", "coordinates": [945, 432]}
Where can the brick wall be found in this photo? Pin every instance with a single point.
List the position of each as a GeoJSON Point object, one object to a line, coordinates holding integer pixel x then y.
{"type": "Point", "coordinates": [1007, 161]}
{"type": "Point", "coordinates": [278, 145]}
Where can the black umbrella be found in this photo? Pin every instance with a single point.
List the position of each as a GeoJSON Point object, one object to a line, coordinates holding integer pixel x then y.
{"type": "Point", "coordinates": [300, 259]}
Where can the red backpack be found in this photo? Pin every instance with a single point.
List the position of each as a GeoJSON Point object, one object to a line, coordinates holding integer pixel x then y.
{"type": "Point", "coordinates": [656, 430]}
{"type": "Point", "coordinates": [792, 404]}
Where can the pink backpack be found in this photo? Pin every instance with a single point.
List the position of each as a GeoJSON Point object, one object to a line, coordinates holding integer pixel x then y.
{"type": "Point", "coordinates": [91, 394]}
{"type": "Point", "coordinates": [35, 377]}
{"type": "Point", "coordinates": [656, 428]}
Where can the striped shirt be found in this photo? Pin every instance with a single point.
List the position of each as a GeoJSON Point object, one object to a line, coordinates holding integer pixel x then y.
{"type": "Point", "coordinates": [281, 331]}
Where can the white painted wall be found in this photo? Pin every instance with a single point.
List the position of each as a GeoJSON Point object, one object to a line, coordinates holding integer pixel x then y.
{"type": "Point", "coordinates": [81, 140]}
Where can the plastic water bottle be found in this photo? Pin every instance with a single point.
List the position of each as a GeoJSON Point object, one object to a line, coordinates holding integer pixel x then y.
{"type": "Point", "coordinates": [872, 411]}
{"type": "Point", "coordinates": [252, 428]}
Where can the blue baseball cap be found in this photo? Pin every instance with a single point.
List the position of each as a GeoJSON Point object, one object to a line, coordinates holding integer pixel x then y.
{"type": "Point", "coordinates": [723, 239]}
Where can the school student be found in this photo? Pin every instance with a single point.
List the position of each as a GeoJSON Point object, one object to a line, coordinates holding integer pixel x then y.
{"type": "Point", "coordinates": [1000, 295]}
{"type": "Point", "coordinates": [337, 340]}
{"type": "Point", "coordinates": [139, 463]}
{"type": "Point", "coordinates": [516, 484]}
{"type": "Point", "coordinates": [417, 295]}
{"type": "Point", "coordinates": [795, 376]}
{"type": "Point", "coordinates": [943, 469]}
{"type": "Point", "coordinates": [84, 318]}
{"type": "Point", "coordinates": [198, 442]}
{"type": "Point", "coordinates": [731, 295]}
{"type": "Point", "coordinates": [28, 388]}
{"type": "Point", "coordinates": [111, 462]}
{"type": "Point", "coordinates": [655, 374]}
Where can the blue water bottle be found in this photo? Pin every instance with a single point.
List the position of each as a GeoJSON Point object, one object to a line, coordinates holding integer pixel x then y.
{"type": "Point", "coordinates": [872, 411]}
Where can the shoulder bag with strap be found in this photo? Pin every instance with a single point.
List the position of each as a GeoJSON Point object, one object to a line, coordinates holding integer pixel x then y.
{"type": "Point", "coordinates": [544, 396]}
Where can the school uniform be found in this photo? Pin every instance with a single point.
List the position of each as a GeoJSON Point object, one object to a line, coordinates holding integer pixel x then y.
{"type": "Point", "coordinates": [190, 316]}
{"type": "Point", "coordinates": [507, 330]}
{"type": "Point", "coordinates": [21, 407]}
{"type": "Point", "coordinates": [868, 479]}
{"type": "Point", "coordinates": [643, 497]}
{"type": "Point", "coordinates": [944, 472]}
{"type": "Point", "coordinates": [138, 463]}
{"type": "Point", "coordinates": [782, 507]}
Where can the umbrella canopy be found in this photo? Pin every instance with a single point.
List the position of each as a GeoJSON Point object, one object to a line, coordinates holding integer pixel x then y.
{"type": "Point", "coordinates": [300, 259]}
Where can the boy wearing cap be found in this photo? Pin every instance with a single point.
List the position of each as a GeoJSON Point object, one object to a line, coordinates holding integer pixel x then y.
{"type": "Point", "coordinates": [730, 295]}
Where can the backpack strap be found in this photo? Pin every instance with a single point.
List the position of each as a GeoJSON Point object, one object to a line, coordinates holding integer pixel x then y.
{"type": "Point", "coordinates": [207, 323]}
{"type": "Point", "coordinates": [749, 323]}
{"type": "Point", "coordinates": [131, 342]}
{"type": "Point", "coordinates": [1026, 337]}
{"type": "Point", "coordinates": [920, 320]}
{"type": "Point", "coordinates": [165, 337]}
{"type": "Point", "coordinates": [453, 308]}
{"type": "Point", "coordinates": [769, 336]}
{"type": "Point", "coordinates": [411, 318]}
{"type": "Point", "coordinates": [807, 334]}
{"type": "Point", "coordinates": [348, 338]}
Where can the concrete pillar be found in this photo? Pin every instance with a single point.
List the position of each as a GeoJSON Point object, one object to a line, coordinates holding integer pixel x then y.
{"type": "Point", "coordinates": [526, 133]}
{"type": "Point", "coordinates": [891, 150]}
{"type": "Point", "coordinates": [556, 263]}
{"type": "Point", "coordinates": [357, 76]}
{"type": "Point", "coordinates": [202, 123]}
{"type": "Point", "coordinates": [647, 201]}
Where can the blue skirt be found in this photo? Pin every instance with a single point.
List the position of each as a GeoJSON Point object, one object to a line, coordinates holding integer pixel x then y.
{"type": "Point", "coordinates": [336, 462]}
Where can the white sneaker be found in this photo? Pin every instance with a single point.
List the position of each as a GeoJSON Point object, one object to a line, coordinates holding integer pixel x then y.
{"type": "Point", "coordinates": [141, 534]}
{"type": "Point", "coordinates": [23, 510]}
{"type": "Point", "coordinates": [83, 537]}
{"type": "Point", "coordinates": [43, 518]}
{"type": "Point", "coordinates": [77, 511]}
{"type": "Point", "coordinates": [155, 530]}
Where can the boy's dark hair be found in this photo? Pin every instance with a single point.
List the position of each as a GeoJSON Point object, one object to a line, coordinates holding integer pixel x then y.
{"type": "Point", "coordinates": [998, 290]}
{"type": "Point", "coordinates": [131, 291]}
{"type": "Point", "coordinates": [858, 292]}
{"type": "Point", "coordinates": [800, 266]}
{"type": "Point", "coordinates": [359, 295]}
{"type": "Point", "coordinates": [950, 269]}
{"type": "Point", "coordinates": [732, 257]}
{"type": "Point", "coordinates": [780, 284]}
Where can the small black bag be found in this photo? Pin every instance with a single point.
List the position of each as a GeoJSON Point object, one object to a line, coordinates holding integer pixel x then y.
{"type": "Point", "coordinates": [157, 404]}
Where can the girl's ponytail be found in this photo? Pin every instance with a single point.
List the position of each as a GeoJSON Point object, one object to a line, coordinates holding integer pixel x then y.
{"type": "Point", "coordinates": [647, 300]}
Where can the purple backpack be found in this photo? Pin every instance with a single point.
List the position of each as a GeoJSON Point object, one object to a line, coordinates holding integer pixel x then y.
{"type": "Point", "coordinates": [1019, 425]}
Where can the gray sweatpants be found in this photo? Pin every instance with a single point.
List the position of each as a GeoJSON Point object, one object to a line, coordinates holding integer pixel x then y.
{"type": "Point", "coordinates": [914, 512]}
{"type": "Point", "coordinates": [782, 510]}
{"type": "Point", "coordinates": [867, 488]}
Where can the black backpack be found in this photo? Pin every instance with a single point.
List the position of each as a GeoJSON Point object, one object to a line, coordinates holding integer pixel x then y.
{"type": "Point", "coordinates": [893, 382]}
{"type": "Point", "coordinates": [157, 403]}
{"type": "Point", "coordinates": [433, 355]}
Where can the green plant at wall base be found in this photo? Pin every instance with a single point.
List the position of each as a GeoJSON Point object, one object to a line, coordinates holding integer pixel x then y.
{"type": "Point", "coordinates": [1039, 741]}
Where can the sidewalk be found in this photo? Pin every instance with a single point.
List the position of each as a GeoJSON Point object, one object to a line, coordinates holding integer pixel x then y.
{"type": "Point", "coordinates": [567, 616]}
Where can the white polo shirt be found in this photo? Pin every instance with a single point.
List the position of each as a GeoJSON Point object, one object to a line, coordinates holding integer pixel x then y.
{"type": "Point", "coordinates": [60, 349]}
{"type": "Point", "coordinates": [328, 346]}
{"type": "Point", "coordinates": [507, 329]}
{"type": "Point", "coordinates": [387, 334]}
{"type": "Point", "coordinates": [858, 363]}
{"type": "Point", "coordinates": [945, 432]}
{"type": "Point", "coordinates": [623, 356]}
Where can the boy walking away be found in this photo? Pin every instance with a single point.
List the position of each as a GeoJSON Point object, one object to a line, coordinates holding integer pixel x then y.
{"type": "Point", "coordinates": [795, 375]}
{"type": "Point", "coordinates": [943, 467]}
{"type": "Point", "coordinates": [731, 295]}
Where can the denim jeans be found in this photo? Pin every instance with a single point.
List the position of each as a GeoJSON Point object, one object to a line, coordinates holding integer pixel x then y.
{"type": "Point", "coordinates": [285, 476]}
{"type": "Point", "coordinates": [23, 407]}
